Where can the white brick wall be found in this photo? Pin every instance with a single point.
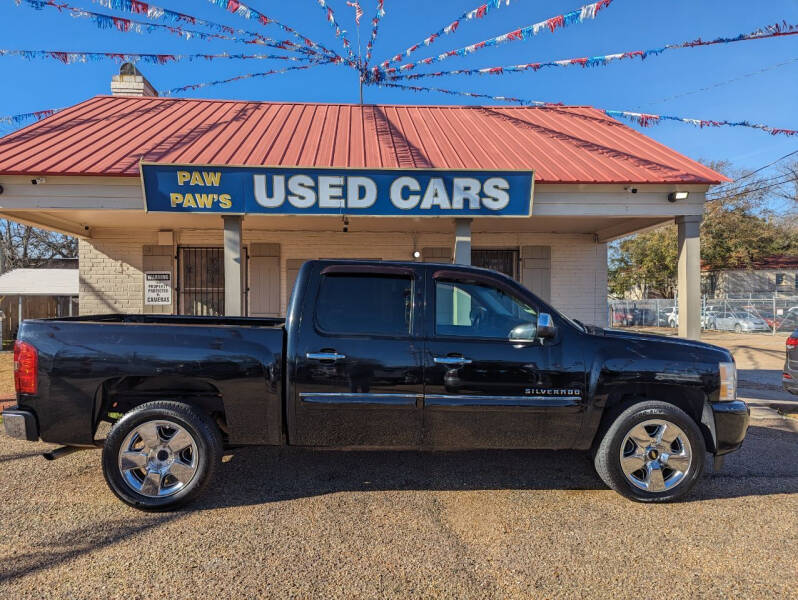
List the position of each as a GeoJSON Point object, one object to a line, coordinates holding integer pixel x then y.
{"type": "Point", "coordinates": [111, 276]}
{"type": "Point", "coordinates": [112, 280]}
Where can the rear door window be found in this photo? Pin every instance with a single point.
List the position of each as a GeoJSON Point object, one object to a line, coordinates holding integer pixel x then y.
{"type": "Point", "coordinates": [353, 304]}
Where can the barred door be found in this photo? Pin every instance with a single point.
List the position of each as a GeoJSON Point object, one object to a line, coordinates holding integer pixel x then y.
{"type": "Point", "coordinates": [201, 284]}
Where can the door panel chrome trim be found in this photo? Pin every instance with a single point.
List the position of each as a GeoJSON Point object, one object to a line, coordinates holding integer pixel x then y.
{"type": "Point", "coordinates": [451, 360]}
{"type": "Point", "coordinates": [325, 356]}
{"type": "Point", "coordinates": [360, 398]}
{"type": "Point", "coordinates": [468, 400]}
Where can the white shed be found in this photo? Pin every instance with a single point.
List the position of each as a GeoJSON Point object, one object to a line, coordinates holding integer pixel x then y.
{"type": "Point", "coordinates": [36, 293]}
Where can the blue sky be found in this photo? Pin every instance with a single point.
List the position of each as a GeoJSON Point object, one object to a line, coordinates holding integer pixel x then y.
{"type": "Point", "coordinates": [746, 80]}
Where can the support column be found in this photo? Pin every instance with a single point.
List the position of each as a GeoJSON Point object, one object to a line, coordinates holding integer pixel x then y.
{"type": "Point", "coordinates": [462, 241]}
{"type": "Point", "coordinates": [233, 266]}
{"type": "Point", "coordinates": [689, 276]}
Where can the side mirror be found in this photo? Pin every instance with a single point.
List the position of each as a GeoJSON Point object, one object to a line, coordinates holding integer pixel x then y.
{"type": "Point", "coordinates": [546, 328]}
{"type": "Point", "coordinates": [525, 332]}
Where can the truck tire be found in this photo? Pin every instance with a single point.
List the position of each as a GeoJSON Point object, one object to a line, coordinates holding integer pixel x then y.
{"type": "Point", "coordinates": [161, 455]}
{"type": "Point", "coordinates": [652, 452]}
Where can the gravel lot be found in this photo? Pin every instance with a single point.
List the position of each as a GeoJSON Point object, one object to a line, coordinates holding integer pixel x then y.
{"type": "Point", "coordinates": [292, 523]}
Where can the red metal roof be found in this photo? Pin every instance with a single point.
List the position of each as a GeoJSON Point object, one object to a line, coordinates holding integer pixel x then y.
{"type": "Point", "coordinates": [108, 135]}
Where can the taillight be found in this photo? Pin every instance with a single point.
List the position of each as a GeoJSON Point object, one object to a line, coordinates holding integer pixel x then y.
{"type": "Point", "coordinates": [26, 368]}
{"type": "Point", "coordinates": [728, 381]}
{"type": "Point", "coordinates": [792, 342]}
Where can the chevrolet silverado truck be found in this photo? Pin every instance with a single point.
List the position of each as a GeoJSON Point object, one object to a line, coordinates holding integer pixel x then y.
{"type": "Point", "coordinates": [374, 355]}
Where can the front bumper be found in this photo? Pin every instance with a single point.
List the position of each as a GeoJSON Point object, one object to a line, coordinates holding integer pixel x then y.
{"type": "Point", "coordinates": [20, 424]}
{"type": "Point", "coordinates": [731, 424]}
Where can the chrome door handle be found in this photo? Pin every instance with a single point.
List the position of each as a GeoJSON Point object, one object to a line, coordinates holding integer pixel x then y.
{"type": "Point", "coordinates": [324, 356]}
{"type": "Point", "coordinates": [451, 360]}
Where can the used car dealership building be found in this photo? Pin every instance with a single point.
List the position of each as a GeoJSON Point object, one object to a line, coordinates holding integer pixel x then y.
{"type": "Point", "coordinates": [207, 207]}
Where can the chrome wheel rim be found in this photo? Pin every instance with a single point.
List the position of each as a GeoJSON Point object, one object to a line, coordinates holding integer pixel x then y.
{"type": "Point", "coordinates": [656, 455]}
{"type": "Point", "coordinates": [158, 459]}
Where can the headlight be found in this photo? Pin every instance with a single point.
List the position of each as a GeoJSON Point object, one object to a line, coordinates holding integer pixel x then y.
{"type": "Point", "coordinates": [728, 381]}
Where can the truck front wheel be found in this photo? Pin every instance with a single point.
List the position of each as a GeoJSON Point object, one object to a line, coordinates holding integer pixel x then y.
{"type": "Point", "coordinates": [652, 452]}
{"type": "Point", "coordinates": [161, 455]}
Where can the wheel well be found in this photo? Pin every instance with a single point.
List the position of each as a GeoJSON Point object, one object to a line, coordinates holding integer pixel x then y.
{"type": "Point", "coordinates": [119, 396]}
{"type": "Point", "coordinates": [616, 405]}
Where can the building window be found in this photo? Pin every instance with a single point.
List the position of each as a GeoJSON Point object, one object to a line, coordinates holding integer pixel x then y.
{"type": "Point", "coordinates": [796, 281]}
{"type": "Point", "coordinates": [779, 278]}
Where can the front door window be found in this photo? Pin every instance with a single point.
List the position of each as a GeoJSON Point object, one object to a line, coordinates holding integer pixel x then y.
{"type": "Point", "coordinates": [478, 311]}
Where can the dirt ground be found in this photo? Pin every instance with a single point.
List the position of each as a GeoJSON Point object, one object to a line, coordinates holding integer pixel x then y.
{"type": "Point", "coordinates": [6, 377]}
{"type": "Point", "coordinates": [293, 523]}
{"type": "Point", "coordinates": [751, 350]}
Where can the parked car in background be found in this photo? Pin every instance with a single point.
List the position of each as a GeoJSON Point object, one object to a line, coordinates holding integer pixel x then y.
{"type": "Point", "coordinates": [708, 319]}
{"type": "Point", "coordinates": [662, 316]}
{"type": "Point", "coordinates": [787, 321]}
{"type": "Point", "coordinates": [673, 317]}
{"type": "Point", "coordinates": [789, 378]}
{"type": "Point", "coordinates": [739, 322]}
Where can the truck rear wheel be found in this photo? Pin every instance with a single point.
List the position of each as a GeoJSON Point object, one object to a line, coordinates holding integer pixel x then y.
{"type": "Point", "coordinates": [652, 452]}
{"type": "Point", "coordinates": [161, 455]}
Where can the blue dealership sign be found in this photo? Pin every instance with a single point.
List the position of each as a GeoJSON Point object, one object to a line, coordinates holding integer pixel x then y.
{"type": "Point", "coordinates": [336, 191]}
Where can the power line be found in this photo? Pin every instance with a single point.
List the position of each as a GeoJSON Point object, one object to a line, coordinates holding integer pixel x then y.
{"type": "Point", "coordinates": [721, 83]}
{"type": "Point", "coordinates": [758, 170]}
{"type": "Point", "coordinates": [736, 187]}
{"type": "Point", "coordinates": [744, 189]}
{"type": "Point", "coordinates": [751, 191]}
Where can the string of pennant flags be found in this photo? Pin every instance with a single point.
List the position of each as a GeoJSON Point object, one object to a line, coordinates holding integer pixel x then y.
{"type": "Point", "coordinates": [158, 13]}
{"type": "Point", "coordinates": [580, 15]}
{"type": "Point", "coordinates": [197, 86]}
{"type": "Point", "coordinates": [476, 13]}
{"type": "Point", "coordinates": [642, 119]}
{"type": "Point", "coordinates": [339, 32]}
{"type": "Point", "coordinates": [385, 74]}
{"type": "Point", "coordinates": [375, 26]}
{"type": "Point", "coordinates": [103, 21]}
{"type": "Point", "coordinates": [69, 58]}
{"type": "Point", "coordinates": [771, 31]}
{"type": "Point", "coordinates": [247, 12]}
{"type": "Point", "coordinates": [24, 117]}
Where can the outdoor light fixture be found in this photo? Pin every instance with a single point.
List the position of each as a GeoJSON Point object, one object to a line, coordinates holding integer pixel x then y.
{"type": "Point", "coordinates": [416, 254]}
{"type": "Point", "coordinates": [674, 196]}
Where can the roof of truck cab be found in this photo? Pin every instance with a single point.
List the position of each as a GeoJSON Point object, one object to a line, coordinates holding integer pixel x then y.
{"type": "Point", "coordinates": [110, 135]}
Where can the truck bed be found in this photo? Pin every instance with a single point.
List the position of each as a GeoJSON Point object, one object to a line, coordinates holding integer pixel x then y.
{"type": "Point", "coordinates": [93, 365]}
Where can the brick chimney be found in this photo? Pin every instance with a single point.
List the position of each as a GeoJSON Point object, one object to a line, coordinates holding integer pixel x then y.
{"type": "Point", "coordinates": [130, 82]}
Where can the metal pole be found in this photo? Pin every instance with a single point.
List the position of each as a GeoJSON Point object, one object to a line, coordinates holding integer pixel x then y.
{"type": "Point", "coordinates": [19, 314]}
{"type": "Point", "coordinates": [774, 314]}
{"type": "Point", "coordinates": [361, 65]}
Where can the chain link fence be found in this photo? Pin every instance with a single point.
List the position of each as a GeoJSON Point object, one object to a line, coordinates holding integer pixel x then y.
{"type": "Point", "coordinates": [742, 315]}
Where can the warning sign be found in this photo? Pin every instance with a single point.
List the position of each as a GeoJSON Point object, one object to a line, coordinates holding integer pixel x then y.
{"type": "Point", "coordinates": [158, 287]}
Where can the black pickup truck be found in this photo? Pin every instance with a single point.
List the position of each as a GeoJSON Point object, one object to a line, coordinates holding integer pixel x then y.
{"type": "Point", "coordinates": [375, 355]}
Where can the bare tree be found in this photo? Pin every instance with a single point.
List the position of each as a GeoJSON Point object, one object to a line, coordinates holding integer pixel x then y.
{"type": "Point", "coordinates": [25, 246]}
